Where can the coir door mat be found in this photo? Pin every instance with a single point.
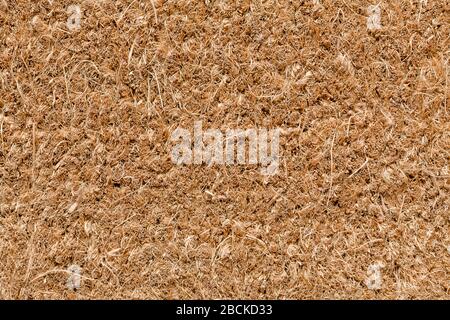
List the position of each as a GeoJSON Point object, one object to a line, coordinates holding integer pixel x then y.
{"type": "Point", "coordinates": [105, 105]}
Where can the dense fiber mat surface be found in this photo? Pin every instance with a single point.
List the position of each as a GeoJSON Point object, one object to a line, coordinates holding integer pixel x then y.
{"type": "Point", "coordinates": [92, 205]}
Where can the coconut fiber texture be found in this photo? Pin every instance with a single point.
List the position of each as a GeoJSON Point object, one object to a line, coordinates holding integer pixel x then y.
{"type": "Point", "coordinates": [92, 206]}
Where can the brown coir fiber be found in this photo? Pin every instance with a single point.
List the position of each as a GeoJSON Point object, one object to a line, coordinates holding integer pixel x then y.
{"type": "Point", "coordinates": [87, 183]}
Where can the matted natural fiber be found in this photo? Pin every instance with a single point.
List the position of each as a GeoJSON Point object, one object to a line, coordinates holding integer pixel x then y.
{"type": "Point", "coordinates": [91, 205]}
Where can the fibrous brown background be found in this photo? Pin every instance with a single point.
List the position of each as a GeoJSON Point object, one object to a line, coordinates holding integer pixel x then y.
{"type": "Point", "coordinates": [85, 171]}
